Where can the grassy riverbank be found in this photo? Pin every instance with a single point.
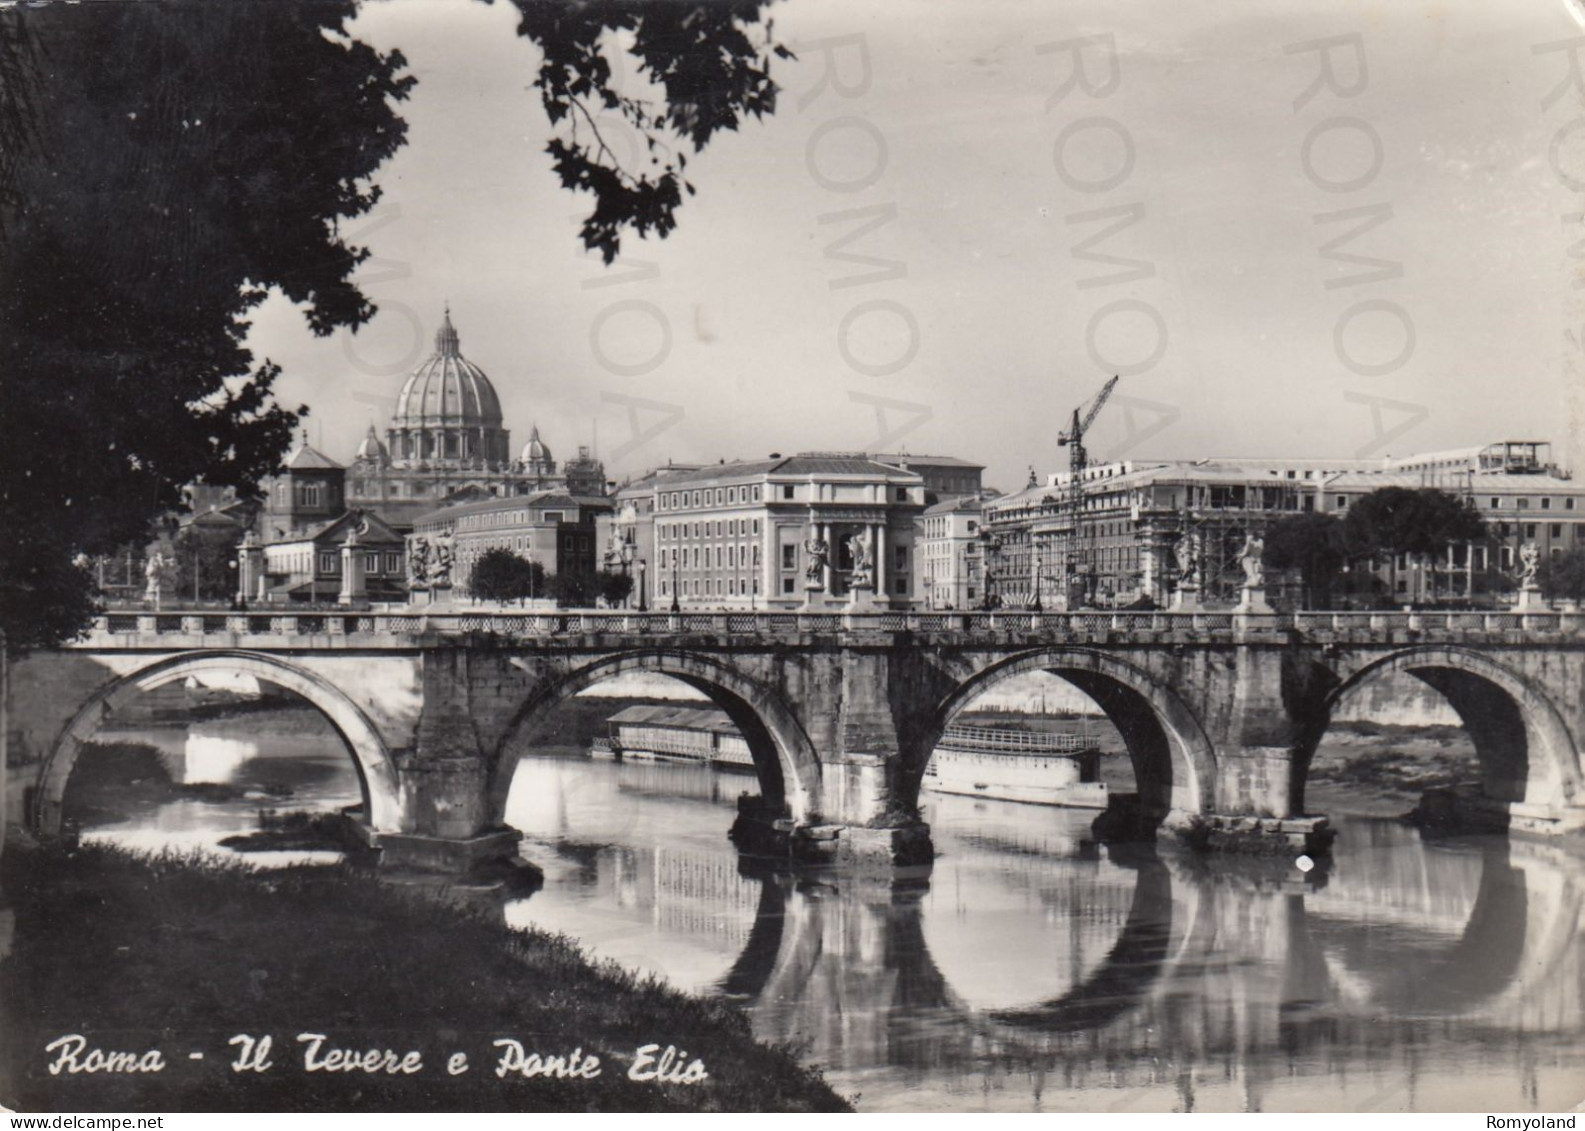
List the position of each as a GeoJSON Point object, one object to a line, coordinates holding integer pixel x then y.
{"type": "Point", "coordinates": [181, 955]}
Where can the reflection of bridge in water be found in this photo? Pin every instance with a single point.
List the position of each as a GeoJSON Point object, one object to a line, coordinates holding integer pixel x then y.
{"type": "Point", "coordinates": [1166, 969]}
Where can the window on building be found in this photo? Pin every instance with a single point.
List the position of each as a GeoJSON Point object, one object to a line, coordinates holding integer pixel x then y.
{"type": "Point", "coordinates": [1568, 503]}
{"type": "Point", "coordinates": [789, 556]}
{"type": "Point", "coordinates": [327, 563]}
{"type": "Point", "coordinates": [786, 585]}
{"type": "Point", "coordinates": [1529, 530]}
{"type": "Point", "coordinates": [787, 490]}
{"type": "Point", "coordinates": [553, 517]}
{"type": "Point", "coordinates": [393, 563]}
{"type": "Point", "coordinates": [1496, 504]}
{"type": "Point", "coordinates": [1557, 530]}
{"type": "Point", "coordinates": [900, 557]}
{"type": "Point", "coordinates": [371, 563]}
{"type": "Point", "coordinates": [1522, 503]}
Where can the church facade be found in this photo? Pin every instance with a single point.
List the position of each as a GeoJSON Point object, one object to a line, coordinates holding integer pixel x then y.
{"type": "Point", "coordinates": [447, 443]}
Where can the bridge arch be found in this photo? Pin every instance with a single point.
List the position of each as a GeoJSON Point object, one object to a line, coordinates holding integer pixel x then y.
{"type": "Point", "coordinates": [1526, 753]}
{"type": "Point", "coordinates": [1174, 761]}
{"type": "Point", "coordinates": [784, 758]}
{"type": "Point", "coordinates": [377, 776]}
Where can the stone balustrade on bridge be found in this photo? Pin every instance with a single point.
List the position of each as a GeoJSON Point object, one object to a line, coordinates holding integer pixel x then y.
{"type": "Point", "coordinates": [325, 629]}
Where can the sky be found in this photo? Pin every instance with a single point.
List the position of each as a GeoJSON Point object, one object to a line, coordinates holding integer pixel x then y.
{"type": "Point", "coordinates": [1183, 214]}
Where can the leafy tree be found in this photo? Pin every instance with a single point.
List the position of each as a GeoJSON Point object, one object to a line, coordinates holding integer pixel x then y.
{"type": "Point", "coordinates": [206, 561]}
{"type": "Point", "coordinates": [501, 575]}
{"type": "Point", "coordinates": [615, 588]}
{"type": "Point", "coordinates": [1403, 520]}
{"type": "Point", "coordinates": [575, 590]}
{"type": "Point", "coordinates": [1563, 575]}
{"type": "Point", "coordinates": [703, 57]}
{"type": "Point", "coordinates": [174, 162]}
{"type": "Point", "coordinates": [1420, 522]}
{"type": "Point", "coordinates": [1313, 544]}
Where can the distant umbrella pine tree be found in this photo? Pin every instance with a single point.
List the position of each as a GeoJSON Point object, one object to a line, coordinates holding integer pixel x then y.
{"type": "Point", "coordinates": [163, 166]}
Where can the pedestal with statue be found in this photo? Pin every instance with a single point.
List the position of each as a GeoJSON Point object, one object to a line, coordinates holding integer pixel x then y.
{"type": "Point", "coordinates": [160, 574]}
{"type": "Point", "coordinates": [861, 582]}
{"type": "Point", "coordinates": [817, 568]}
{"type": "Point", "coordinates": [1186, 596]}
{"type": "Point", "coordinates": [1531, 599]}
{"type": "Point", "coordinates": [1252, 598]}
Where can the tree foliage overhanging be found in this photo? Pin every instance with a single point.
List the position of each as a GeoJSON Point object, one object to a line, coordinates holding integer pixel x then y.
{"type": "Point", "coordinates": [164, 165]}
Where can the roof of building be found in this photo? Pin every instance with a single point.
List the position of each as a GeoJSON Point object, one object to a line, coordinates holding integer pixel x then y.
{"type": "Point", "coordinates": [307, 458]}
{"type": "Point", "coordinates": [903, 458]}
{"type": "Point", "coordinates": [804, 463]}
{"type": "Point", "coordinates": [447, 389]}
{"type": "Point", "coordinates": [372, 531]}
{"type": "Point", "coordinates": [689, 718]}
{"type": "Point", "coordinates": [550, 497]}
{"type": "Point", "coordinates": [966, 504]}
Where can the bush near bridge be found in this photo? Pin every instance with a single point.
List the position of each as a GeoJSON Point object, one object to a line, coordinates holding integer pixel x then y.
{"type": "Point", "coordinates": [183, 953]}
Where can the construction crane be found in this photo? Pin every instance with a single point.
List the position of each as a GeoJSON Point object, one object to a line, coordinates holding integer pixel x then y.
{"type": "Point", "coordinates": [1078, 460]}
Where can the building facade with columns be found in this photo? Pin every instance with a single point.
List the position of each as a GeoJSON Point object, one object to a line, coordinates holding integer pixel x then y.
{"type": "Point", "coordinates": [821, 530]}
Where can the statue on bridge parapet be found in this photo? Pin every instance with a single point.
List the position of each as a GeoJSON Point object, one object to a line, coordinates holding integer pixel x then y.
{"type": "Point", "coordinates": [1530, 599]}
{"type": "Point", "coordinates": [440, 562]}
{"type": "Point", "coordinates": [859, 545]}
{"type": "Point", "coordinates": [818, 555]}
{"type": "Point", "coordinates": [1186, 597]}
{"type": "Point", "coordinates": [160, 571]}
{"type": "Point", "coordinates": [418, 561]}
{"type": "Point", "coordinates": [1252, 558]}
{"type": "Point", "coordinates": [1529, 565]}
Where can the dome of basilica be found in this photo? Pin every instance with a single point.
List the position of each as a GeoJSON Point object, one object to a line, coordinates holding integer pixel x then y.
{"type": "Point", "coordinates": [447, 408]}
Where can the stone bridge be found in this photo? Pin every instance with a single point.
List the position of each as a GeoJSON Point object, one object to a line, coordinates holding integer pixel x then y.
{"type": "Point", "coordinates": [1220, 712]}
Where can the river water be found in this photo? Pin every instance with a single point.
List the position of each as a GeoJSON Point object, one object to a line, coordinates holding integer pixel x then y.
{"type": "Point", "coordinates": [1030, 969]}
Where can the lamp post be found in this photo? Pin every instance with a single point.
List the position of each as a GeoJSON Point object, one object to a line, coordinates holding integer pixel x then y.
{"type": "Point", "coordinates": [1035, 550]}
{"type": "Point", "coordinates": [675, 607]}
{"type": "Point", "coordinates": [642, 607]}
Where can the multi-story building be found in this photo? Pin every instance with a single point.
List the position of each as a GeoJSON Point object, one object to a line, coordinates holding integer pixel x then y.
{"type": "Point", "coordinates": [951, 555]}
{"type": "Point", "coordinates": [553, 528]}
{"type": "Point", "coordinates": [946, 477]}
{"type": "Point", "coordinates": [802, 531]}
{"type": "Point", "coordinates": [1143, 527]}
{"type": "Point", "coordinates": [626, 536]}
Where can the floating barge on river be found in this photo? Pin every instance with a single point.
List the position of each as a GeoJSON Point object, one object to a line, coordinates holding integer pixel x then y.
{"type": "Point", "coordinates": [1006, 764]}
{"type": "Point", "coordinates": [674, 734]}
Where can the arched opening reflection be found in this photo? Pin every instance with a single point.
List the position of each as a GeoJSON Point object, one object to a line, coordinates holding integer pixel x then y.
{"type": "Point", "coordinates": [218, 752]}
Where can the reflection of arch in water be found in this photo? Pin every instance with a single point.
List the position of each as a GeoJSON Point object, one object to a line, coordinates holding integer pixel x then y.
{"type": "Point", "coordinates": [1520, 932]}
{"type": "Point", "coordinates": [1132, 967]}
{"type": "Point", "coordinates": [785, 760]}
{"type": "Point", "coordinates": [376, 774]}
{"type": "Point", "coordinates": [1174, 762]}
{"type": "Point", "coordinates": [1525, 750]}
{"type": "Point", "coordinates": [789, 950]}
